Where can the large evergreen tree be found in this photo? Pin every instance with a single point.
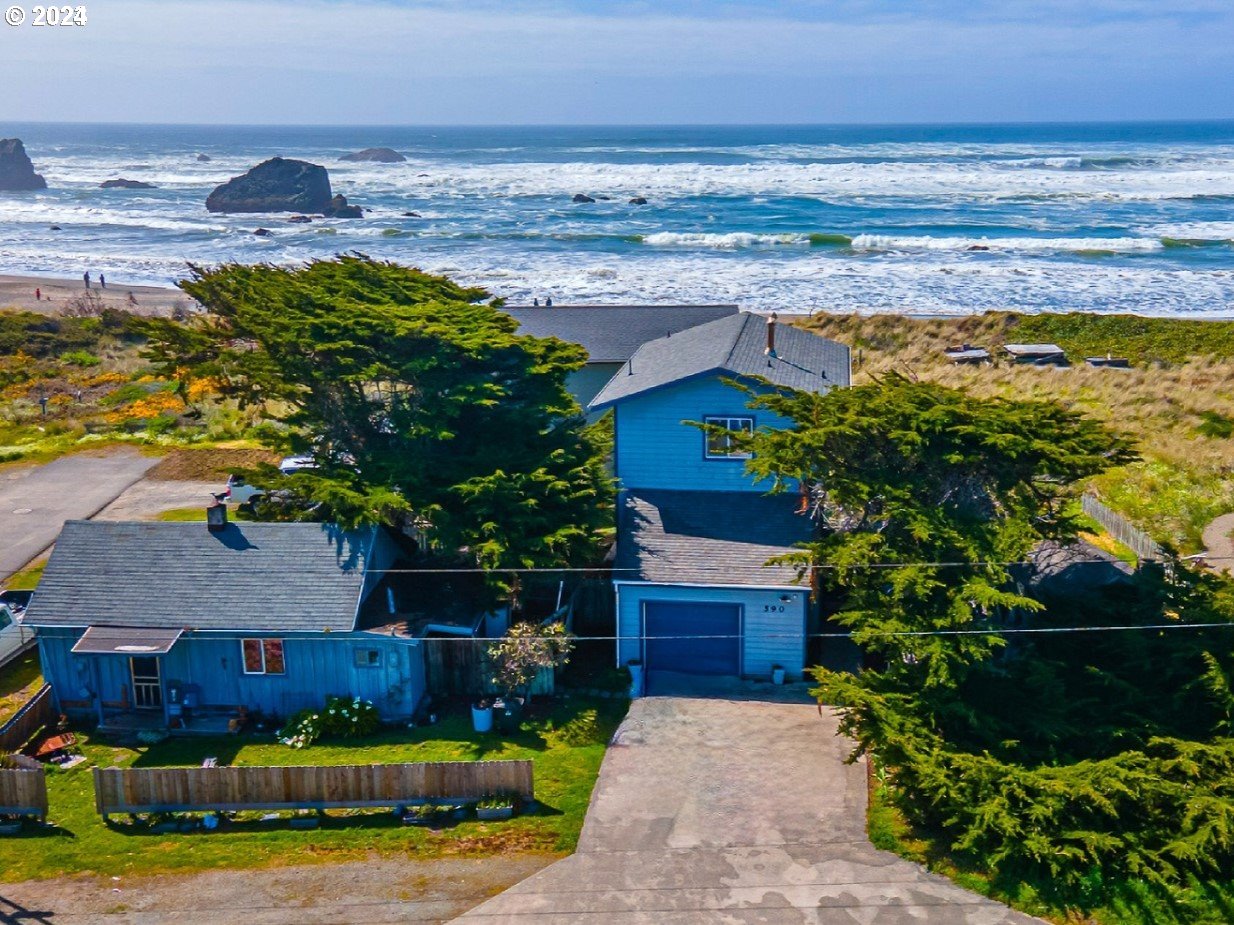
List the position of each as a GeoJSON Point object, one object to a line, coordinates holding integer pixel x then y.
{"type": "Point", "coordinates": [418, 400]}
{"type": "Point", "coordinates": [1074, 760]}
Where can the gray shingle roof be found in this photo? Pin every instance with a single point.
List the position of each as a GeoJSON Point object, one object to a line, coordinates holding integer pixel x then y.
{"type": "Point", "coordinates": [259, 577]}
{"type": "Point", "coordinates": [707, 537]}
{"type": "Point", "coordinates": [735, 346]}
{"type": "Point", "coordinates": [611, 333]}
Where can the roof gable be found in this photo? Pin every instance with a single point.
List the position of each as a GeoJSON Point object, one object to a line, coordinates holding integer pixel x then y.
{"type": "Point", "coordinates": [253, 577]}
{"type": "Point", "coordinates": [734, 346]}
{"type": "Point", "coordinates": [612, 333]}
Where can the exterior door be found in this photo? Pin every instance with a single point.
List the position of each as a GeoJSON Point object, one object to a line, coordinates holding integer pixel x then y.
{"type": "Point", "coordinates": [147, 683]}
{"type": "Point", "coordinates": [692, 638]}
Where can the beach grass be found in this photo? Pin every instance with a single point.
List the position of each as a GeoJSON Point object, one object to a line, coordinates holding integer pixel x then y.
{"type": "Point", "coordinates": [1172, 402]}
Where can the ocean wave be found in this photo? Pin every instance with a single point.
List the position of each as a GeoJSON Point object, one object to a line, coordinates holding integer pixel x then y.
{"type": "Point", "coordinates": [1083, 246]}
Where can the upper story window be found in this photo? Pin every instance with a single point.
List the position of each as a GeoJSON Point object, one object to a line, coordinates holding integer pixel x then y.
{"type": "Point", "coordinates": [263, 656]}
{"type": "Point", "coordinates": [720, 443]}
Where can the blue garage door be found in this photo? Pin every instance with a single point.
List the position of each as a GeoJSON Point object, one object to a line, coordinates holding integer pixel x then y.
{"type": "Point", "coordinates": [693, 638]}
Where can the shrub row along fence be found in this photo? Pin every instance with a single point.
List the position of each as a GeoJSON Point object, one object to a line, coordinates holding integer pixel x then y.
{"type": "Point", "coordinates": [23, 792]}
{"type": "Point", "coordinates": [1122, 529]}
{"type": "Point", "coordinates": [38, 713]}
{"type": "Point", "coordinates": [147, 790]}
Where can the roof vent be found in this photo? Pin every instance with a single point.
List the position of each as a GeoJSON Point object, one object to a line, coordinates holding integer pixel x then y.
{"type": "Point", "coordinates": [216, 516]}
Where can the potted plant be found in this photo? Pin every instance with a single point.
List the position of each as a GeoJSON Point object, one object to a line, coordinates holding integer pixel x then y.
{"type": "Point", "coordinates": [525, 651]}
{"type": "Point", "coordinates": [482, 716]}
{"type": "Point", "coordinates": [495, 808]}
{"type": "Point", "coordinates": [777, 674]}
{"type": "Point", "coordinates": [636, 677]}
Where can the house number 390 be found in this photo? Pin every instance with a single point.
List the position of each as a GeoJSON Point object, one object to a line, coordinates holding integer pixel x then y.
{"type": "Point", "coordinates": [773, 608]}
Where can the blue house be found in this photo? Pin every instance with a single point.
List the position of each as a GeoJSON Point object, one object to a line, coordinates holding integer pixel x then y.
{"type": "Point", "coordinates": [695, 592]}
{"type": "Point", "coordinates": [138, 621]}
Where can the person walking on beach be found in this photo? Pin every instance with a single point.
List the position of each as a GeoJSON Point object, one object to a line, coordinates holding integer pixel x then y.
{"type": "Point", "coordinates": [86, 276]}
{"type": "Point", "coordinates": [38, 294]}
{"type": "Point", "coordinates": [548, 302]}
{"type": "Point", "coordinates": [102, 281]}
{"type": "Point", "coordinates": [536, 301]}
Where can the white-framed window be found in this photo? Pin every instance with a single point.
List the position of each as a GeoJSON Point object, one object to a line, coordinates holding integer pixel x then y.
{"type": "Point", "coordinates": [368, 658]}
{"type": "Point", "coordinates": [263, 656]}
{"type": "Point", "coordinates": [720, 443]}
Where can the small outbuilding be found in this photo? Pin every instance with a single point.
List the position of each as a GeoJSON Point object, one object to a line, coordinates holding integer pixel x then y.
{"type": "Point", "coordinates": [1037, 354]}
{"type": "Point", "coordinates": [967, 354]}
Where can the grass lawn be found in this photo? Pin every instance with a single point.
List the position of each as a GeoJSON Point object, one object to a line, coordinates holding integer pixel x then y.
{"type": "Point", "coordinates": [1132, 902]}
{"type": "Point", "coordinates": [19, 680]}
{"type": "Point", "coordinates": [27, 579]}
{"type": "Point", "coordinates": [566, 766]}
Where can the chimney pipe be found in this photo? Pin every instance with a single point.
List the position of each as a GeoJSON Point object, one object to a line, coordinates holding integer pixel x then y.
{"type": "Point", "coordinates": [771, 336]}
{"type": "Point", "coordinates": [216, 516]}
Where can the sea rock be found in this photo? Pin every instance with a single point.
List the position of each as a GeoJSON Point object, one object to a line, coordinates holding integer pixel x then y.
{"type": "Point", "coordinates": [602, 196]}
{"type": "Point", "coordinates": [16, 172]}
{"type": "Point", "coordinates": [264, 233]}
{"type": "Point", "coordinates": [338, 208]}
{"type": "Point", "coordinates": [582, 197]}
{"type": "Point", "coordinates": [378, 155]}
{"type": "Point", "coordinates": [204, 158]}
{"type": "Point", "coordinates": [638, 201]}
{"type": "Point", "coordinates": [411, 215]}
{"type": "Point", "coordinates": [277, 185]}
{"type": "Point", "coordinates": [300, 219]}
{"type": "Point", "coordinates": [54, 228]}
{"type": "Point", "coordinates": [978, 247]}
{"type": "Point", "coordinates": [126, 184]}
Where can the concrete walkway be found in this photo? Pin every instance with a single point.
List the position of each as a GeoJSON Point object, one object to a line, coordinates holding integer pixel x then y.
{"type": "Point", "coordinates": [1219, 543]}
{"type": "Point", "coordinates": [36, 501]}
{"type": "Point", "coordinates": [710, 810]}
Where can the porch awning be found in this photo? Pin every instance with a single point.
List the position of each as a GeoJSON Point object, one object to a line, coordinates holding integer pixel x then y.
{"type": "Point", "coordinates": [126, 640]}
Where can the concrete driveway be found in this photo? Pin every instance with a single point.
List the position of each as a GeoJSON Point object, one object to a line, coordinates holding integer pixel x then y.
{"type": "Point", "coordinates": [36, 501]}
{"type": "Point", "coordinates": [726, 811]}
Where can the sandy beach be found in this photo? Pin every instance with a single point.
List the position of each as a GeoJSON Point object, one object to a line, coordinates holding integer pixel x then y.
{"type": "Point", "coordinates": [18, 292]}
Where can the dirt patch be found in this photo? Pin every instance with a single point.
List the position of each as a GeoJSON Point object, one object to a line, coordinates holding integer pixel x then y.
{"type": "Point", "coordinates": [374, 890]}
{"type": "Point", "coordinates": [212, 465]}
{"type": "Point", "coordinates": [148, 498]}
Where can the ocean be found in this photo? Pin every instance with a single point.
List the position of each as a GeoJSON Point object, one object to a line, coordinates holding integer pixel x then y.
{"type": "Point", "coordinates": [911, 219]}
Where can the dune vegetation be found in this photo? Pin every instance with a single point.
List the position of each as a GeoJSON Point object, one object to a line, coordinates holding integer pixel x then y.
{"type": "Point", "coordinates": [1176, 402]}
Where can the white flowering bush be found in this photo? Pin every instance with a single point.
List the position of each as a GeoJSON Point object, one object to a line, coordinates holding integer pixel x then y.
{"type": "Point", "coordinates": [341, 717]}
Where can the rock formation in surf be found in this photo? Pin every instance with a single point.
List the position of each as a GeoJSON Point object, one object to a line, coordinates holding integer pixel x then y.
{"type": "Point", "coordinates": [377, 155]}
{"type": "Point", "coordinates": [16, 172]}
{"type": "Point", "coordinates": [277, 185]}
{"type": "Point", "coordinates": [126, 184]}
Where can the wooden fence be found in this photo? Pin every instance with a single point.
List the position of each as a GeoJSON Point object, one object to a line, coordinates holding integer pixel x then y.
{"type": "Point", "coordinates": [1122, 529]}
{"type": "Point", "coordinates": [38, 712]}
{"type": "Point", "coordinates": [460, 667]}
{"type": "Point", "coordinates": [23, 792]}
{"type": "Point", "coordinates": [144, 790]}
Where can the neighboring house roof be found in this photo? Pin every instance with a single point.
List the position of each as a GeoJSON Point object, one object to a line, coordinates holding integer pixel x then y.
{"type": "Point", "coordinates": [255, 577]}
{"type": "Point", "coordinates": [1067, 569]}
{"type": "Point", "coordinates": [734, 346]}
{"type": "Point", "coordinates": [707, 537]}
{"type": "Point", "coordinates": [611, 333]}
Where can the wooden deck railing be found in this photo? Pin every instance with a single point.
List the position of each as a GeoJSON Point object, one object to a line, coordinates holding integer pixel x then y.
{"type": "Point", "coordinates": [38, 712]}
{"type": "Point", "coordinates": [143, 790]}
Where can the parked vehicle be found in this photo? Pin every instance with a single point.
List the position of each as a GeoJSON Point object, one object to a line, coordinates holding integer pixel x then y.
{"type": "Point", "coordinates": [293, 464]}
{"type": "Point", "coordinates": [13, 636]}
{"type": "Point", "coordinates": [241, 492]}
{"type": "Point", "coordinates": [17, 601]}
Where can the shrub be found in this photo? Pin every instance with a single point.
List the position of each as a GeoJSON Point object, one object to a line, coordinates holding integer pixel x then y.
{"type": "Point", "coordinates": [80, 358]}
{"type": "Point", "coordinates": [341, 717]}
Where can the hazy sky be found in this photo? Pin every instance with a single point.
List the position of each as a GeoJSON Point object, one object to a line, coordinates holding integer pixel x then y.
{"type": "Point", "coordinates": [596, 61]}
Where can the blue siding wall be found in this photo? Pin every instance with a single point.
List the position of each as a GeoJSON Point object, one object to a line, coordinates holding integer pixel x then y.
{"type": "Point", "coordinates": [656, 450]}
{"type": "Point", "coordinates": [773, 631]}
{"type": "Point", "coordinates": [316, 666]}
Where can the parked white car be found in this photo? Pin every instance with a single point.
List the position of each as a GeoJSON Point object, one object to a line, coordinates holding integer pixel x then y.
{"type": "Point", "coordinates": [241, 492]}
{"type": "Point", "coordinates": [13, 636]}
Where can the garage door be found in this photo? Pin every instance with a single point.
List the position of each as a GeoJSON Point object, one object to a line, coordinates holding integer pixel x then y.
{"type": "Point", "coordinates": [693, 638]}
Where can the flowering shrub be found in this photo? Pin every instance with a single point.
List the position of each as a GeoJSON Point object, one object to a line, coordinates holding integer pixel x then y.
{"type": "Point", "coordinates": [341, 717]}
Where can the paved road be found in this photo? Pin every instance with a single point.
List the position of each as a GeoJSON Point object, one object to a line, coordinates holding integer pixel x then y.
{"type": "Point", "coordinates": [36, 501]}
{"type": "Point", "coordinates": [1219, 543]}
{"type": "Point", "coordinates": [721, 811]}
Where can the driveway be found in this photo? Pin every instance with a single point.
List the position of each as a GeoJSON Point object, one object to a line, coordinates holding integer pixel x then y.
{"type": "Point", "coordinates": [726, 811]}
{"type": "Point", "coordinates": [36, 501]}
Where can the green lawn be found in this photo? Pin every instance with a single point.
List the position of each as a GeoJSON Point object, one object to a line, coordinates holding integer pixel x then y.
{"type": "Point", "coordinates": [564, 777]}
{"type": "Point", "coordinates": [27, 579]}
{"type": "Point", "coordinates": [1128, 903]}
